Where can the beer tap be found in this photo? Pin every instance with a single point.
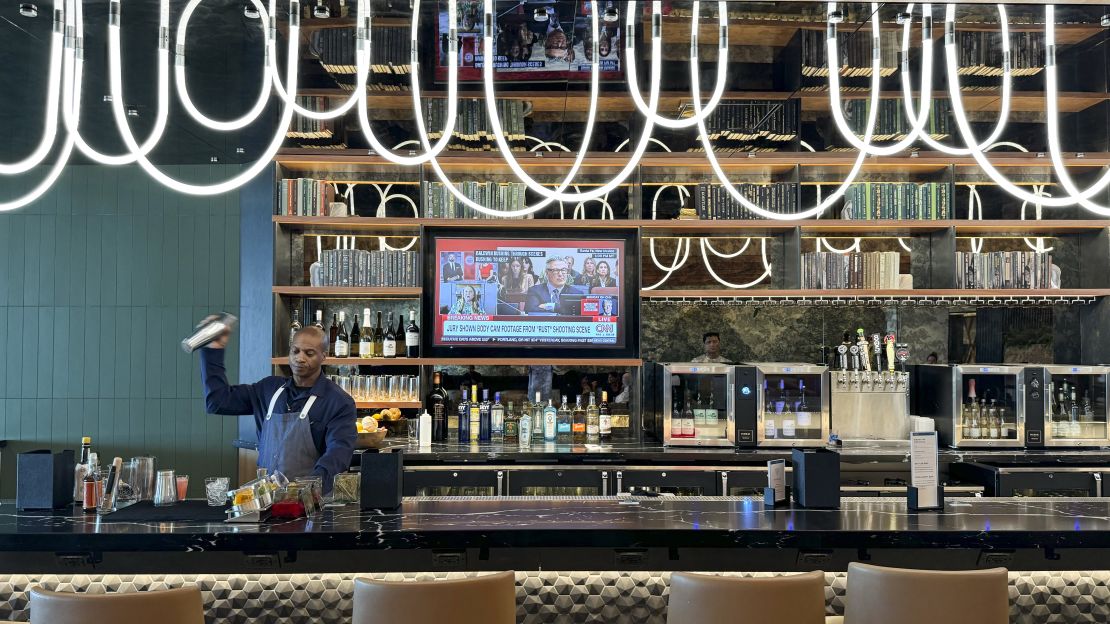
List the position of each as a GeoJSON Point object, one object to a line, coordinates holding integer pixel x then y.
{"type": "Point", "coordinates": [861, 342]}
{"type": "Point", "coordinates": [854, 350]}
{"type": "Point", "coordinates": [877, 347]}
{"type": "Point", "coordinates": [903, 355]}
{"type": "Point", "coordinates": [842, 353]}
{"type": "Point", "coordinates": [890, 352]}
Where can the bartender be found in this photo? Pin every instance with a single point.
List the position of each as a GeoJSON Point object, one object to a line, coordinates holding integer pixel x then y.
{"type": "Point", "coordinates": [712, 343]}
{"type": "Point", "coordinates": [305, 424]}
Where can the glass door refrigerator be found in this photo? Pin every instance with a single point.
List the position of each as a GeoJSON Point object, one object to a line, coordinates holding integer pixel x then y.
{"type": "Point", "coordinates": [692, 404]}
{"type": "Point", "coordinates": [1074, 406]}
{"type": "Point", "coordinates": [782, 405]}
{"type": "Point", "coordinates": [974, 405]}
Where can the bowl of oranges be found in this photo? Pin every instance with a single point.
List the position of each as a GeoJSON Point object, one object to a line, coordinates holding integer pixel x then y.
{"type": "Point", "coordinates": [370, 434]}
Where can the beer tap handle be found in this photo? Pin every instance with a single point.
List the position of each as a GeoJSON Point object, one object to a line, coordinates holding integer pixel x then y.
{"type": "Point", "coordinates": [890, 352]}
{"type": "Point", "coordinates": [854, 350]}
{"type": "Point", "coordinates": [842, 353]}
{"type": "Point", "coordinates": [877, 347]}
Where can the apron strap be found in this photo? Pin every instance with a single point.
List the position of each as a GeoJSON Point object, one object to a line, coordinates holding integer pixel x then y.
{"type": "Point", "coordinates": [307, 406]}
{"type": "Point", "coordinates": [273, 402]}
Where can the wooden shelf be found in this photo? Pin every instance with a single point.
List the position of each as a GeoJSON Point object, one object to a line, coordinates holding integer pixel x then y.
{"type": "Point", "coordinates": [477, 361]}
{"type": "Point", "coordinates": [353, 291]}
{"type": "Point", "coordinates": [881, 297]}
{"type": "Point", "coordinates": [397, 404]}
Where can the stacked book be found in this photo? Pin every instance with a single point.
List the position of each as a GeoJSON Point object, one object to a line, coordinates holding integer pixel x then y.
{"type": "Point", "coordinates": [873, 270]}
{"type": "Point", "coordinates": [1003, 269]}
{"type": "Point", "coordinates": [981, 53]}
{"type": "Point", "coordinates": [304, 197]}
{"type": "Point", "coordinates": [390, 60]}
{"type": "Point", "coordinates": [712, 201]}
{"type": "Point", "coordinates": [438, 202]}
{"type": "Point", "coordinates": [473, 132]}
{"type": "Point", "coordinates": [357, 267]}
{"type": "Point", "coordinates": [855, 53]}
{"type": "Point", "coordinates": [305, 127]}
{"type": "Point", "coordinates": [891, 123]}
{"type": "Point", "coordinates": [897, 200]}
{"type": "Point", "coordinates": [751, 125]}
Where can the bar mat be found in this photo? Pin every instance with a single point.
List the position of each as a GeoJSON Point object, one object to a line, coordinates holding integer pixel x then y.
{"type": "Point", "coordinates": [190, 510]}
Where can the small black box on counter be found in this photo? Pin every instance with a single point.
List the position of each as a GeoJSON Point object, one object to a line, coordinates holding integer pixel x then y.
{"type": "Point", "coordinates": [816, 478]}
{"type": "Point", "coordinates": [44, 479]}
{"type": "Point", "coordinates": [380, 483]}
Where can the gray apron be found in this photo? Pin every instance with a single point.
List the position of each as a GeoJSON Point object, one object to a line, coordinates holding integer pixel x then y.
{"type": "Point", "coordinates": [285, 443]}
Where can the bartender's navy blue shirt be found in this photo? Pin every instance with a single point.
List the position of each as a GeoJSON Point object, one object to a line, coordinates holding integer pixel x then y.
{"type": "Point", "coordinates": [331, 419]}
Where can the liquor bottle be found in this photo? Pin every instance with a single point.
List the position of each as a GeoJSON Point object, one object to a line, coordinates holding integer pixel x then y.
{"type": "Point", "coordinates": [366, 339]}
{"type": "Point", "coordinates": [512, 425]}
{"type": "Point", "coordinates": [438, 406]}
{"type": "Point", "coordinates": [475, 414]}
{"type": "Point", "coordinates": [319, 324]}
{"type": "Point", "coordinates": [563, 434]}
{"type": "Point", "coordinates": [485, 418]}
{"type": "Point", "coordinates": [605, 419]}
{"type": "Point", "coordinates": [786, 414]}
{"type": "Point", "coordinates": [805, 417]}
{"type": "Point", "coordinates": [89, 486]}
{"type": "Point", "coordinates": [550, 415]}
{"type": "Point", "coordinates": [463, 417]}
{"type": "Point", "coordinates": [80, 469]}
{"type": "Point", "coordinates": [688, 420]}
{"type": "Point", "coordinates": [497, 420]}
{"type": "Point", "coordinates": [333, 333]}
{"type": "Point", "coordinates": [965, 421]}
{"type": "Point", "coordinates": [342, 340]}
{"type": "Point", "coordinates": [295, 326]}
{"type": "Point", "coordinates": [376, 347]}
{"type": "Point", "coordinates": [593, 422]}
{"type": "Point", "coordinates": [525, 428]}
{"type": "Point", "coordinates": [578, 422]}
{"type": "Point", "coordinates": [389, 341]}
{"type": "Point", "coordinates": [1073, 415]}
{"type": "Point", "coordinates": [356, 336]}
{"type": "Point", "coordinates": [412, 337]}
{"type": "Point", "coordinates": [399, 334]}
{"type": "Point", "coordinates": [539, 422]}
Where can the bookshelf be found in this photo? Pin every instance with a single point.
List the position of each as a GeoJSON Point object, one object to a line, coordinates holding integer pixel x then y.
{"type": "Point", "coordinates": [490, 361]}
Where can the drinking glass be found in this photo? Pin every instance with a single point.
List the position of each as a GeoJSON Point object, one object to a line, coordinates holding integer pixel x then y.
{"type": "Point", "coordinates": [412, 425]}
{"type": "Point", "coordinates": [413, 388]}
{"type": "Point", "coordinates": [345, 384]}
{"type": "Point", "coordinates": [356, 387]}
{"type": "Point", "coordinates": [366, 383]}
{"type": "Point", "coordinates": [381, 392]}
{"type": "Point", "coordinates": [394, 387]}
{"type": "Point", "coordinates": [144, 478]}
{"type": "Point", "coordinates": [165, 489]}
{"type": "Point", "coordinates": [215, 490]}
{"type": "Point", "coordinates": [182, 487]}
{"type": "Point", "coordinates": [127, 491]}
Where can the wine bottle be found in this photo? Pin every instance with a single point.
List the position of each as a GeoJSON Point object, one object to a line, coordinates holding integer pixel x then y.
{"type": "Point", "coordinates": [463, 418]}
{"type": "Point", "coordinates": [438, 406]}
{"type": "Point", "coordinates": [688, 420]}
{"type": "Point", "coordinates": [333, 333]}
{"type": "Point", "coordinates": [342, 340]}
{"type": "Point", "coordinates": [593, 422]}
{"type": "Point", "coordinates": [319, 319]}
{"type": "Point", "coordinates": [389, 341]}
{"type": "Point", "coordinates": [399, 334]}
{"type": "Point", "coordinates": [578, 422]}
{"type": "Point", "coordinates": [295, 326]}
{"type": "Point", "coordinates": [356, 336]}
{"type": "Point", "coordinates": [412, 337]}
{"type": "Point", "coordinates": [366, 340]}
{"type": "Point", "coordinates": [378, 336]}
{"type": "Point", "coordinates": [604, 418]}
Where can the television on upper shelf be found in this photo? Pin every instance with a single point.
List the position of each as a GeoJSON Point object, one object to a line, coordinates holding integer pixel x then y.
{"type": "Point", "coordinates": [522, 292]}
{"type": "Point", "coordinates": [556, 47]}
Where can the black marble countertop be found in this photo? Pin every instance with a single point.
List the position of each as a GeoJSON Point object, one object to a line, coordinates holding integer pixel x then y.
{"type": "Point", "coordinates": [528, 527]}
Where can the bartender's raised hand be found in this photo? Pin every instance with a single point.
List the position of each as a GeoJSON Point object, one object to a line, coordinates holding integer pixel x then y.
{"type": "Point", "coordinates": [220, 342]}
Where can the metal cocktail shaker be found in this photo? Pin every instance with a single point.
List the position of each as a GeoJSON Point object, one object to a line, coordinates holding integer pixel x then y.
{"type": "Point", "coordinates": [209, 330]}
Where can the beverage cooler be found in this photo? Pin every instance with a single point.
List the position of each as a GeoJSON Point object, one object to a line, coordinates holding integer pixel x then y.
{"type": "Point", "coordinates": [1071, 407]}
{"type": "Point", "coordinates": [690, 404]}
{"type": "Point", "coordinates": [782, 405]}
{"type": "Point", "coordinates": [979, 405]}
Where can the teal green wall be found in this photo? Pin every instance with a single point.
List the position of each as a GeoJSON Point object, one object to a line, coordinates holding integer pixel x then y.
{"type": "Point", "coordinates": [99, 281]}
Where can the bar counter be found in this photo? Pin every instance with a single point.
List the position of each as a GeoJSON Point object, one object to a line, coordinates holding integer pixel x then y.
{"type": "Point", "coordinates": [585, 533]}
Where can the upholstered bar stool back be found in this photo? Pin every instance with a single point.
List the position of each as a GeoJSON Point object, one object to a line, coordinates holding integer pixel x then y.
{"type": "Point", "coordinates": [172, 606]}
{"type": "Point", "coordinates": [489, 599]}
{"type": "Point", "coordinates": [709, 599]}
{"type": "Point", "coordinates": [882, 595]}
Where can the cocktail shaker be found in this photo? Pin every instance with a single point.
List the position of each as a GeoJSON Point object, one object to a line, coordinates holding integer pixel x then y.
{"type": "Point", "coordinates": [209, 330]}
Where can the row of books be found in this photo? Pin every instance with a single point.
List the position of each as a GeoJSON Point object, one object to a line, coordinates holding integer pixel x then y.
{"type": "Point", "coordinates": [736, 125]}
{"type": "Point", "coordinates": [304, 197]}
{"type": "Point", "coordinates": [390, 50]}
{"type": "Point", "coordinates": [855, 53]}
{"type": "Point", "coordinates": [870, 270]}
{"type": "Point", "coordinates": [981, 53]}
{"type": "Point", "coordinates": [303, 127]}
{"type": "Point", "coordinates": [897, 200]}
{"type": "Point", "coordinates": [472, 130]}
{"type": "Point", "coordinates": [383, 268]}
{"type": "Point", "coordinates": [438, 202]}
{"type": "Point", "coordinates": [712, 201]}
{"type": "Point", "coordinates": [891, 122]}
{"type": "Point", "coordinates": [1004, 269]}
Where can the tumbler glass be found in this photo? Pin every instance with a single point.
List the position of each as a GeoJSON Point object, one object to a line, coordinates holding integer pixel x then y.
{"type": "Point", "coordinates": [182, 487]}
{"type": "Point", "coordinates": [381, 389]}
{"type": "Point", "coordinates": [366, 385]}
{"type": "Point", "coordinates": [345, 384]}
{"type": "Point", "coordinates": [215, 490]}
{"type": "Point", "coordinates": [412, 425]}
{"type": "Point", "coordinates": [165, 489]}
{"type": "Point", "coordinates": [413, 388]}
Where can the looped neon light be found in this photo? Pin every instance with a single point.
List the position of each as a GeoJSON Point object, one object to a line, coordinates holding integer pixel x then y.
{"type": "Point", "coordinates": [53, 95]}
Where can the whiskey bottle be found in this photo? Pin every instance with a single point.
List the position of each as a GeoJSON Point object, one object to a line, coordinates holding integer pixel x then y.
{"type": "Point", "coordinates": [604, 419]}
{"type": "Point", "coordinates": [563, 434]}
{"type": "Point", "coordinates": [578, 422]}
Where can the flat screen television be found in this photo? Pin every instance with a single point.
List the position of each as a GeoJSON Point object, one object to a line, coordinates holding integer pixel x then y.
{"type": "Point", "coordinates": [507, 292]}
{"type": "Point", "coordinates": [558, 47]}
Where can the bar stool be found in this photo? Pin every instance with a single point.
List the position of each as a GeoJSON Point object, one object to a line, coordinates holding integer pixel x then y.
{"type": "Point", "coordinates": [489, 599]}
{"type": "Point", "coordinates": [710, 599]}
{"type": "Point", "coordinates": [879, 595]}
{"type": "Point", "coordinates": [171, 606]}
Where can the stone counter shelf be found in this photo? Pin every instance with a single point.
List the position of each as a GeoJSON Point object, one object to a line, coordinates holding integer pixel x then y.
{"type": "Point", "coordinates": [588, 533]}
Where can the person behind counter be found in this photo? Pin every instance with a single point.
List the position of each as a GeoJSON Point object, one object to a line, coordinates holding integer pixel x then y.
{"type": "Point", "coordinates": [712, 343]}
{"type": "Point", "coordinates": [305, 423]}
